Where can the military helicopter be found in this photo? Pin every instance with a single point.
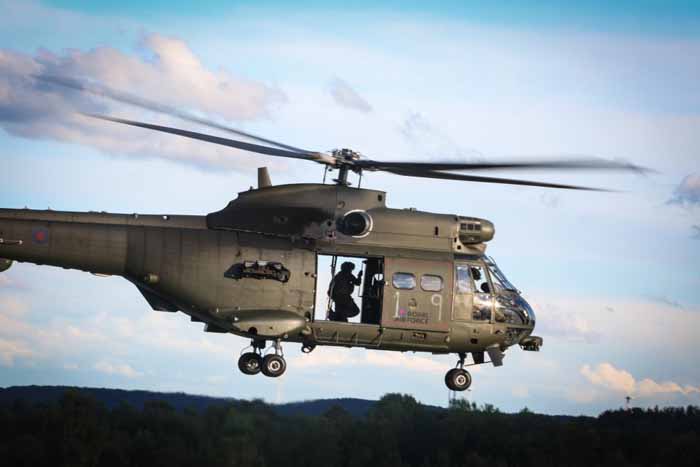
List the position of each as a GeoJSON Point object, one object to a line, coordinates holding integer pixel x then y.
{"type": "Point", "coordinates": [252, 269]}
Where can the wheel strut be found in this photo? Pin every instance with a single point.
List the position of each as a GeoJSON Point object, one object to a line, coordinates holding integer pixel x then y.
{"type": "Point", "coordinates": [274, 364]}
{"type": "Point", "coordinates": [251, 362]}
{"type": "Point", "coordinates": [255, 361]}
{"type": "Point", "coordinates": [462, 358]}
{"type": "Point", "coordinates": [458, 379]}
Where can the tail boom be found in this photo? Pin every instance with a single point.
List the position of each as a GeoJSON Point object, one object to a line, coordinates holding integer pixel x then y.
{"type": "Point", "coordinates": [56, 239]}
{"type": "Point", "coordinates": [96, 242]}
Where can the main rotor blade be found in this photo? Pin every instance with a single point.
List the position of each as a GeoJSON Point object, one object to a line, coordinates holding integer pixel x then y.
{"type": "Point", "coordinates": [316, 157]}
{"type": "Point", "coordinates": [476, 178]}
{"type": "Point", "coordinates": [573, 164]}
{"type": "Point", "coordinates": [136, 101]}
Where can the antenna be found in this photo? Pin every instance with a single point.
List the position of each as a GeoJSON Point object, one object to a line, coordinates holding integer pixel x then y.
{"type": "Point", "coordinates": [451, 397]}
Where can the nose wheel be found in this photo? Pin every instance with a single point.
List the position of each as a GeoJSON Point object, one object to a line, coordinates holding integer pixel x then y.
{"type": "Point", "coordinates": [458, 379]}
{"type": "Point", "coordinates": [253, 362]}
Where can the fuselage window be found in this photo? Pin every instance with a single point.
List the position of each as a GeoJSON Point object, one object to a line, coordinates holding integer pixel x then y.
{"type": "Point", "coordinates": [404, 280]}
{"type": "Point", "coordinates": [463, 280]}
{"type": "Point", "coordinates": [431, 283]}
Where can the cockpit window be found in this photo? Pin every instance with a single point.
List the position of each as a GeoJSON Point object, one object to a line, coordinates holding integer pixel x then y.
{"type": "Point", "coordinates": [497, 277]}
{"type": "Point", "coordinates": [480, 280]}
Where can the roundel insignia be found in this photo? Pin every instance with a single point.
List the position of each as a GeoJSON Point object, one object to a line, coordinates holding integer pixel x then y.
{"type": "Point", "coordinates": [40, 236]}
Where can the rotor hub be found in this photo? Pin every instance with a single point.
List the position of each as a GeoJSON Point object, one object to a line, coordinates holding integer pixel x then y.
{"type": "Point", "coordinates": [345, 154]}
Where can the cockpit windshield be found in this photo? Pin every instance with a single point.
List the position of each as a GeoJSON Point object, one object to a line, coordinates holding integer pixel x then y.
{"type": "Point", "coordinates": [497, 277]}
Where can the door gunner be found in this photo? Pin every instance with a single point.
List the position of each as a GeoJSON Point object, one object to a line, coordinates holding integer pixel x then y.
{"type": "Point", "coordinates": [340, 290]}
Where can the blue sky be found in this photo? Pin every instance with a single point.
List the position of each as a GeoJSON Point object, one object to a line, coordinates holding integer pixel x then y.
{"type": "Point", "coordinates": [614, 277]}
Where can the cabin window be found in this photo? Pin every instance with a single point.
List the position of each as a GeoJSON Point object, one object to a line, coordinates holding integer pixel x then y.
{"type": "Point", "coordinates": [404, 280]}
{"type": "Point", "coordinates": [431, 283]}
{"type": "Point", "coordinates": [464, 281]}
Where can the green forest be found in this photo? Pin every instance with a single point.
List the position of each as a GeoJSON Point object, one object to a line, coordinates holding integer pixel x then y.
{"type": "Point", "coordinates": [78, 430]}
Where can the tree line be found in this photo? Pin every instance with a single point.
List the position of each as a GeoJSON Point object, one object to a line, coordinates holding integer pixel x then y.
{"type": "Point", "coordinates": [77, 430]}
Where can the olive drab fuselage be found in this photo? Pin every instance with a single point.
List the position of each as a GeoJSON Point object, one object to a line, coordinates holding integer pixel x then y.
{"type": "Point", "coordinates": [251, 268]}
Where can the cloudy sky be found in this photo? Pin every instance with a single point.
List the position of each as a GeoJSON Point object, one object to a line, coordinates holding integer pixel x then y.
{"type": "Point", "coordinates": [614, 277]}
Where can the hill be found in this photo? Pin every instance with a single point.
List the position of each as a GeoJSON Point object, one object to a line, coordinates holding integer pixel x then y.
{"type": "Point", "coordinates": [54, 427]}
{"type": "Point", "coordinates": [112, 398]}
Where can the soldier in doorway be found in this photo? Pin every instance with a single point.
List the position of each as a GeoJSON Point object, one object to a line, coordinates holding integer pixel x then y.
{"type": "Point", "coordinates": [340, 290]}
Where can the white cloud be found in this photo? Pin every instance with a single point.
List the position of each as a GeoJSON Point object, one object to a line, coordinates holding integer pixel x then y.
{"type": "Point", "coordinates": [401, 360]}
{"type": "Point", "coordinates": [617, 380]}
{"type": "Point", "coordinates": [323, 358]}
{"type": "Point", "coordinates": [687, 193]}
{"type": "Point", "coordinates": [633, 323]}
{"type": "Point", "coordinates": [648, 387]}
{"type": "Point", "coordinates": [429, 141]}
{"type": "Point", "coordinates": [326, 358]}
{"type": "Point", "coordinates": [81, 334]}
{"type": "Point", "coordinates": [99, 334]}
{"type": "Point", "coordinates": [568, 325]}
{"type": "Point", "coordinates": [12, 350]}
{"type": "Point", "coordinates": [346, 96]}
{"type": "Point", "coordinates": [10, 305]}
{"type": "Point", "coordinates": [120, 369]}
{"type": "Point", "coordinates": [610, 377]}
{"type": "Point", "coordinates": [167, 71]}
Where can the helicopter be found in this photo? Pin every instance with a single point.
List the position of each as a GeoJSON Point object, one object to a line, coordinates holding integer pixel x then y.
{"type": "Point", "coordinates": [254, 268]}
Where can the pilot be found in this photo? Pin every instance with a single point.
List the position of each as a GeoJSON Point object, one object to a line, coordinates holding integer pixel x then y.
{"type": "Point", "coordinates": [340, 290]}
{"type": "Point", "coordinates": [476, 274]}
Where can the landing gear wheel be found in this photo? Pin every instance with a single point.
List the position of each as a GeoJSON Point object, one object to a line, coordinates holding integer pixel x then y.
{"type": "Point", "coordinates": [458, 379]}
{"type": "Point", "coordinates": [250, 363]}
{"type": "Point", "coordinates": [273, 365]}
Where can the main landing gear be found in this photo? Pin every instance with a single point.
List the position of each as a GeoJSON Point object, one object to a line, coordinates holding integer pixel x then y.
{"type": "Point", "coordinates": [459, 379]}
{"type": "Point", "coordinates": [255, 361]}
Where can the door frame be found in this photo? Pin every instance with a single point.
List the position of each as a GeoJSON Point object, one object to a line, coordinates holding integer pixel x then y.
{"type": "Point", "coordinates": [339, 254]}
{"type": "Point", "coordinates": [485, 271]}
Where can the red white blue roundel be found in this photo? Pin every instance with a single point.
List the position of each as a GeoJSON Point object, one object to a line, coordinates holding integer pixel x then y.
{"type": "Point", "coordinates": [40, 235]}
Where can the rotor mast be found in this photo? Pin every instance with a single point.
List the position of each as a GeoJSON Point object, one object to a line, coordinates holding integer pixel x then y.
{"type": "Point", "coordinates": [345, 161]}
